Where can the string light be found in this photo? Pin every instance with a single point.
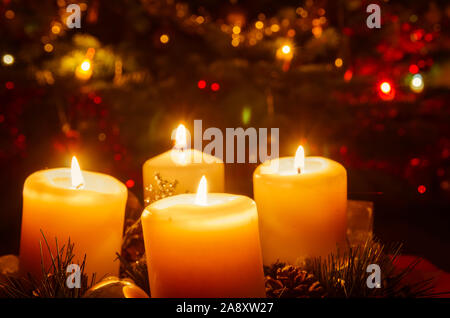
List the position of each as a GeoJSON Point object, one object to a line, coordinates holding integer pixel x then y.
{"type": "Point", "coordinates": [290, 33]}
{"type": "Point", "coordinates": [385, 87]}
{"type": "Point", "coordinates": [286, 49]}
{"type": "Point", "coordinates": [86, 65]}
{"type": "Point", "coordinates": [348, 75]}
{"type": "Point", "coordinates": [8, 59]}
{"type": "Point", "coordinates": [386, 90]}
{"type": "Point", "coordinates": [421, 189]}
{"type": "Point", "coordinates": [56, 29]}
{"type": "Point", "coordinates": [274, 28]}
{"type": "Point", "coordinates": [215, 87]}
{"type": "Point", "coordinates": [416, 83]}
{"type": "Point", "coordinates": [9, 14]}
{"type": "Point", "coordinates": [413, 69]}
{"type": "Point", "coordinates": [246, 115]}
{"type": "Point", "coordinates": [84, 70]}
{"type": "Point", "coordinates": [130, 183]}
{"type": "Point", "coordinates": [338, 62]}
{"type": "Point", "coordinates": [259, 25]}
{"type": "Point", "coordinates": [48, 47]}
{"type": "Point", "coordinates": [200, 19]}
{"type": "Point", "coordinates": [201, 84]}
{"type": "Point", "coordinates": [284, 52]}
{"type": "Point", "coordinates": [164, 38]}
{"type": "Point", "coordinates": [236, 29]}
{"type": "Point", "coordinates": [235, 42]}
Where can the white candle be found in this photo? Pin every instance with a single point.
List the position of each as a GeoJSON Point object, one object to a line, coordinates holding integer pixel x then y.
{"type": "Point", "coordinates": [302, 206]}
{"type": "Point", "coordinates": [87, 207]}
{"type": "Point", "coordinates": [187, 166]}
{"type": "Point", "coordinates": [203, 245]}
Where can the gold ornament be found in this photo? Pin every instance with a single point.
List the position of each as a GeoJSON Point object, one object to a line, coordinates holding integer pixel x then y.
{"type": "Point", "coordinates": [113, 287]}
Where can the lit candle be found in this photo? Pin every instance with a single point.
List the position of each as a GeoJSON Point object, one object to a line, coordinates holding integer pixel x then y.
{"type": "Point", "coordinates": [184, 165]}
{"type": "Point", "coordinates": [302, 204]}
{"type": "Point", "coordinates": [203, 245]}
{"type": "Point", "coordinates": [87, 207]}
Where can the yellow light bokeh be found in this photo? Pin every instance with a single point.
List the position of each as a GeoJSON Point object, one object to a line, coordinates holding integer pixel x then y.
{"type": "Point", "coordinates": [86, 65]}
{"type": "Point", "coordinates": [8, 59]}
{"type": "Point", "coordinates": [84, 70]}
{"type": "Point", "coordinates": [290, 33]}
{"type": "Point", "coordinates": [417, 83]}
{"type": "Point", "coordinates": [317, 31]}
{"type": "Point", "coordinates": [56, 29]}
{"type": "Point", "coordinates": [164, 38]}
{"type": "Point", "coordinates": [285, 52]}
{"type": "Point", "coordinates": [235, 42]}
{"type": "Point", "coordinates": [286, 49]}
{"type": "Point", "coordinates": [236, 29]}
{"type": "Point", "coordinates": [385, 87]}
{"type": "Point", "coordinates": [274, 28]}
{"type": "Point", "coordinates": [259, 25]}
{"type": "Point", "coordinates": [48, 47]}
{"type": "Point", "coordinates": [200, 19]}
{"type": "Point", "coordinates": [338, 62]}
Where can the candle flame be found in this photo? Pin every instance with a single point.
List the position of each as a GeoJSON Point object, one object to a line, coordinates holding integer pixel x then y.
{"type": "Point", "coordinates": [77, 177]}
{"type": "Point", "coordinates": [299, 160]}
{"type": "Point", "coordinates": [200, 198]}
{"type": "Point", "coordinates": [180, 137]}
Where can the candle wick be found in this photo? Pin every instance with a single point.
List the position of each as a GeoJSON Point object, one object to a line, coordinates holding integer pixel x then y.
{"type": "Point", "coordinates": [80, 186]}
{"type": "Point", "coordinates": [299, 171]}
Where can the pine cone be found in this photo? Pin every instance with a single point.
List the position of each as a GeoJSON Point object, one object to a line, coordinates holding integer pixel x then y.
{"type": "Point", "coordinates": [288, 281]}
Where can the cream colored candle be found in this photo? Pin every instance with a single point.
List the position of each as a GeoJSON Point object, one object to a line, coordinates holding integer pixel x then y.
{"type": "Point", "coordinates": [88, 207]}
{"type": "Point", "coordinates": [187, 166]}
{"type": "Point", "coordinates": [203, 245]}
{"type": "Point", "coordinates": [302, 204]}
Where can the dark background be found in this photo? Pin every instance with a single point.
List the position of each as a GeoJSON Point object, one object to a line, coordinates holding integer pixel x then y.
{"type": "Point", "coordinates": [396, 151]}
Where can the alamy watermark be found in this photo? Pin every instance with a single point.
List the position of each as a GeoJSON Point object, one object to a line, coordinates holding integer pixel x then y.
{"type": "Point", "coordinates": [237, 143]}
{"type": "Point", "coordinates": [374, 19]}
{"type": "Point", "coordinates": [374, 279]}
{"type": "Point", "coordinates": [74, 19]}
{"type": "Point", "coordinates": [74, 278]}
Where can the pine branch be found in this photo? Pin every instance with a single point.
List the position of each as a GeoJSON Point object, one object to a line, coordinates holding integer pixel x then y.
{"type": "Point", "coordinates": [344, 274]}
{"type": "Point", "coordinates": [53, 281]}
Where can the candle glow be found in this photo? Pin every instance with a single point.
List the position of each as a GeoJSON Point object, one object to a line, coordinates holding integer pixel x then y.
{"type": "Point", "coordinates": [299, 160]}
{"type": "Point", "coordinates": [85, 206]}
{"type": "Point", "coordinates": [185, 165]}
{"type": "Point", "coordinates": [191, 246]}
{"type": "Point", "coordinates": [202, 191]}
{"type": "Point", "coordinates": [76, 176]}
{"type": "Point", "coordinates": [180, 137]}
{"type": "Point", "coordinates": [303, 201]}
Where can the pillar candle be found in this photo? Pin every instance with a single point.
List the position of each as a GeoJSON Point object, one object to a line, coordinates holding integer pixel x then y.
{"type": "Point", "coordinates": [302, 205]}
{"type": "Point", "coordinates": [87, 207]}
{"type": "Point", "coordinates": [187, 166]}
{"type": "Point", "coordinates": [203, 246]}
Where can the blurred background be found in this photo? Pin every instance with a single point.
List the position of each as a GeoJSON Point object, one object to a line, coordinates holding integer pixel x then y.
{"type": "Point", "coordinates": [376, 100]}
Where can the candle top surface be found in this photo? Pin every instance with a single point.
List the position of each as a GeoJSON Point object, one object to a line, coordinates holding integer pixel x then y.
{"type": "Point", "coordinates": [220, 208]}
{"type": "Point", "coordinates": [59, 179]}
{"type": "Point", "coordinates": [175, 157]}
{"type": "Point", "coordinates": [285, 167]}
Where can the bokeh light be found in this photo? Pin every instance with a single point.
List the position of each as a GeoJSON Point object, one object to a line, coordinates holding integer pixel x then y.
{"type": "Point", "coordinates": [8, 59]}
{"type": "Point", "coordinates": [164, 38]}
{"type": "Point", "coordinates": [417, 83]}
